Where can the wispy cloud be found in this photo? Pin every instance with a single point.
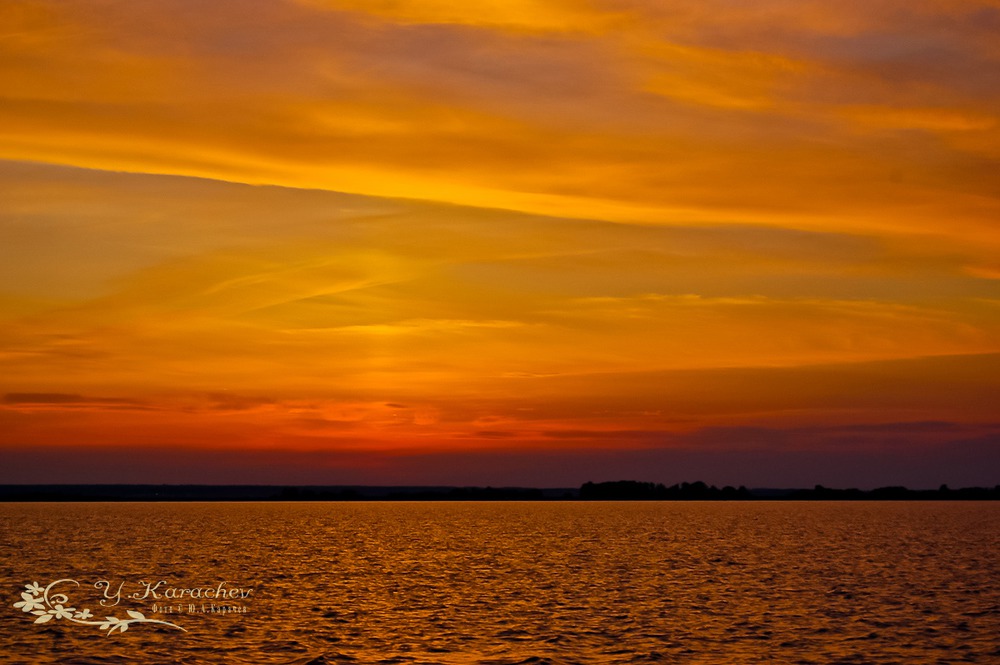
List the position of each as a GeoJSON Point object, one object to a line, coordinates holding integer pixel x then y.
{"type": "Point", "coordinates": [67, 401]}
{"type": "Point", "coordinates": [659, 113]}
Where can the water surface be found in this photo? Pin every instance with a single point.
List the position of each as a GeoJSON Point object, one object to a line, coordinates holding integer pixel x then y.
{"type": "Point", "coordinates": [506, 583]}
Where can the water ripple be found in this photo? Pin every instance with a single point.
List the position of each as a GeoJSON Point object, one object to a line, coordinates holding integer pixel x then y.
{"type": "Point", "coordinates": [523, 583]}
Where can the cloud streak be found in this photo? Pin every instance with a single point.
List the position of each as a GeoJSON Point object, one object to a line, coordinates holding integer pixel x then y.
{"type": "Point", "coordinates": [659, 115]}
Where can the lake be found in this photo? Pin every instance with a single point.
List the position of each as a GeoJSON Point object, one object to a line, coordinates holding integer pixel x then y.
{"type": "Point", "coordinates": [500, 583]}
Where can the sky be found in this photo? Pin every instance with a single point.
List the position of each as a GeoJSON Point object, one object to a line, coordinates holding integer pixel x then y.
{"type": "Point", "coordinates": [500, 242]}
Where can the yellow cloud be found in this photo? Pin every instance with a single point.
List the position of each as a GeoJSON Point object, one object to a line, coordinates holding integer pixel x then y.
{"type": "Point", "coordinates": [726, 79]}
{"type": "Point", "coordinates": [930, 119]}
{"type": "Point", "coordinates": [646, 121]}
{"type": "Point", "coordinates": [520, 15]}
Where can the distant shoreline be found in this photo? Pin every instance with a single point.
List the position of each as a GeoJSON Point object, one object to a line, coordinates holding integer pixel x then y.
{"type": "Point", "coordinates": [626, 490]}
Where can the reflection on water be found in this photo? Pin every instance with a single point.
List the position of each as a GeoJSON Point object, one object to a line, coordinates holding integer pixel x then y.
{"type": "Point", "coordinates": [503, 583]}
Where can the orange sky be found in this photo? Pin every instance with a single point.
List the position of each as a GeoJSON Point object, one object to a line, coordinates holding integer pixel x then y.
{"type": "Point", "coordinates": [500, 242]}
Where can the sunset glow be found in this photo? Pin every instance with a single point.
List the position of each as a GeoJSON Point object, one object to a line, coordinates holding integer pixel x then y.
{"type": "Point", "coordinates": [509, 243]}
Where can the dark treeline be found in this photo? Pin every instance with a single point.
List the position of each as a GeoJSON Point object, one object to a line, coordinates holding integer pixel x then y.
{"type": "Point", "coordinates": [622, 490]}
{"type": "Point", "coordinates": [896, 493]}
{"type": "Point", "coordinates": [277, 493]}
{"type": "Point", "coordinates": [631, 490]}
{"type": "Point", "coordinates": [421, 494]}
